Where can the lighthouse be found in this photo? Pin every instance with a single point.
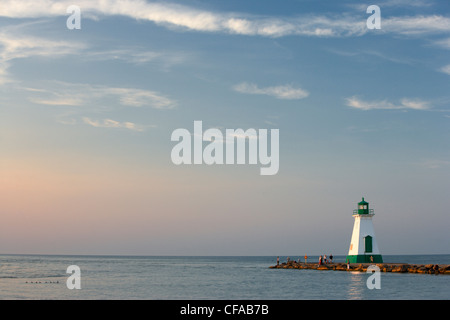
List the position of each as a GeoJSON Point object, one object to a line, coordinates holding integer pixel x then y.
{"type": "Point", "coordinates": [363, 245]}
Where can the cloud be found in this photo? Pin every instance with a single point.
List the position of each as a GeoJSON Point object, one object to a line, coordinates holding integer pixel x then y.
{"type": "Point", "coordinates": [444, 43]}
{"type": "Point", "coordinates": [188, 18]}
{"type": "Point", "coordinates": [417, 25]}
{"type": "Point", "coordinates": [109, 123]}
{"type": "Point", "coordinates": [445, 69]}
{"type": "Point", "coordinates": [406, 3]}
{"type": "Point", "coordinates": [138, 97]}
{"type": "Point", "coordinates": [16, 46]}
{"type": "Point", "coordinates": [58, 101]}
{"type": "Point", "coordinates": [183, 17]}
{"type": "Point", "coordinates": [286, 92]}
{"type": "Point", "coordinates": [414, 104]}
{"type": "Point", "coordinates": [4, 75]}
{"type": "Point", "coordinates": [139, 56]}
{"type": "Point", "coordinates": [95, 98]}
{"type": "Point", "coordinates": [76, 94]}
{"type": "Point", "coordinates": [373, 53]}
{"type": "Point", "coordinates": [435, 163]}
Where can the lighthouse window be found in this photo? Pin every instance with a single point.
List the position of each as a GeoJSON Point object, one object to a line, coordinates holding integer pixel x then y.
{"type": "Point", "coordinates": [365, 206]}
{"type": "Point", "coordinates": [361, 207]}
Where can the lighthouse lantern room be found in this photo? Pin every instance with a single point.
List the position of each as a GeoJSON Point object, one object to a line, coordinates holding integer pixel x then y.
{"type": "Point", "coordinates": [363, 245]}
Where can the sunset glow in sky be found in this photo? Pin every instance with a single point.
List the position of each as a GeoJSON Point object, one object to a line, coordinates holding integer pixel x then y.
{"type": "Point", "coordinates": [86, 118]}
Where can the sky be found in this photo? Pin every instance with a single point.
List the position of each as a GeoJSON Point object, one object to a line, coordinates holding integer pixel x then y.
{"type": "Point", "coordinates": [86, 117]}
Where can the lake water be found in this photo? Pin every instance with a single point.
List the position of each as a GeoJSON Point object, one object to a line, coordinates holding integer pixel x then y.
{"type": "Point", "coordinates": [218, 278]}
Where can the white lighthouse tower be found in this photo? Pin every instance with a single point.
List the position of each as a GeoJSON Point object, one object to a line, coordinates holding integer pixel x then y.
{"type": "Point", "coordinates": [363, 245]}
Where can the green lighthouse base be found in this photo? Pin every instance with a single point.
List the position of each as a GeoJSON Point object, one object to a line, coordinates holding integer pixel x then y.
{"type": "Point", "coordinates": [365, 258]}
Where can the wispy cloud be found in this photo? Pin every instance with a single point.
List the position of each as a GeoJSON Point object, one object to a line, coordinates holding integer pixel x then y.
{"type": "Point", "coordinates": [75, 94]}
{"type": "Point", "coordinates": [16, 46]}
{"type": "Point", "coordinates": [435, 163]}
{"type": "Point", "coordinates": [16, 42]}
{"type": "Point", "coordinates": [406, 3]}
{"type": "Point", "coordinates": [445, 69]}
{"type": "Point", "coordinates": [286, 92]}
{"type": "Point", "coordinates": [187, 18]}
{"type": "Point", "coordinates": [58, 101]}
{"type": "Point", "coordinates": [138, 97]}
{"type": "Point", "coordinates": [417, 25]}
{"type": "Point", "coordinates": [109, 123]}
{"type": "Point", "coordinates": [373, 53]}
{"type": "Point", "coordinates": [393, 3]}
{"type": "Point", "coordinates": [405, 103]}
{"type": "Point", "coordinates": [184, 17]}
{"type": "Point", "coordinates": [444, 43]}
{"type": "Point", "coordinates": [139, 56]}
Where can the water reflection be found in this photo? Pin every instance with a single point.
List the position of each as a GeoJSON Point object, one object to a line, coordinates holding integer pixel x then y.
{"type": "Point", "coordinates": [356, 285]}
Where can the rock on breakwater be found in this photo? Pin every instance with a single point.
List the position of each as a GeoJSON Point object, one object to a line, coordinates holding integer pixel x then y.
{"type": "Point", "coordinates": [362, 267]}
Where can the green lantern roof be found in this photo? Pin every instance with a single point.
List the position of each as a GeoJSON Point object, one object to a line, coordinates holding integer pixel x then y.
{"type": "Point", "coordinates": [362, 202]}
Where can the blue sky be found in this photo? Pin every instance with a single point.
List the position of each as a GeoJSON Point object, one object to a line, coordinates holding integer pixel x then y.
{"type": "Point", "coordinates": [87, 115]}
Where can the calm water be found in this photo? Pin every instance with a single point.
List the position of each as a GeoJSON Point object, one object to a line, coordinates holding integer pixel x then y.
{"type": "Point", "coordinates": [223, 278]}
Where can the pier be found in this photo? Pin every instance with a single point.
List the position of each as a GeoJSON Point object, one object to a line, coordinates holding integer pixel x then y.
{"type": "Point", "coordinates": [362, 267]}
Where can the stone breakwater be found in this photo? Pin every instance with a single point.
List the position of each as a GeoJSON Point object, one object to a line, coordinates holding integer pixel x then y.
{"type": "Point", "coordinates": [362, 267]}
